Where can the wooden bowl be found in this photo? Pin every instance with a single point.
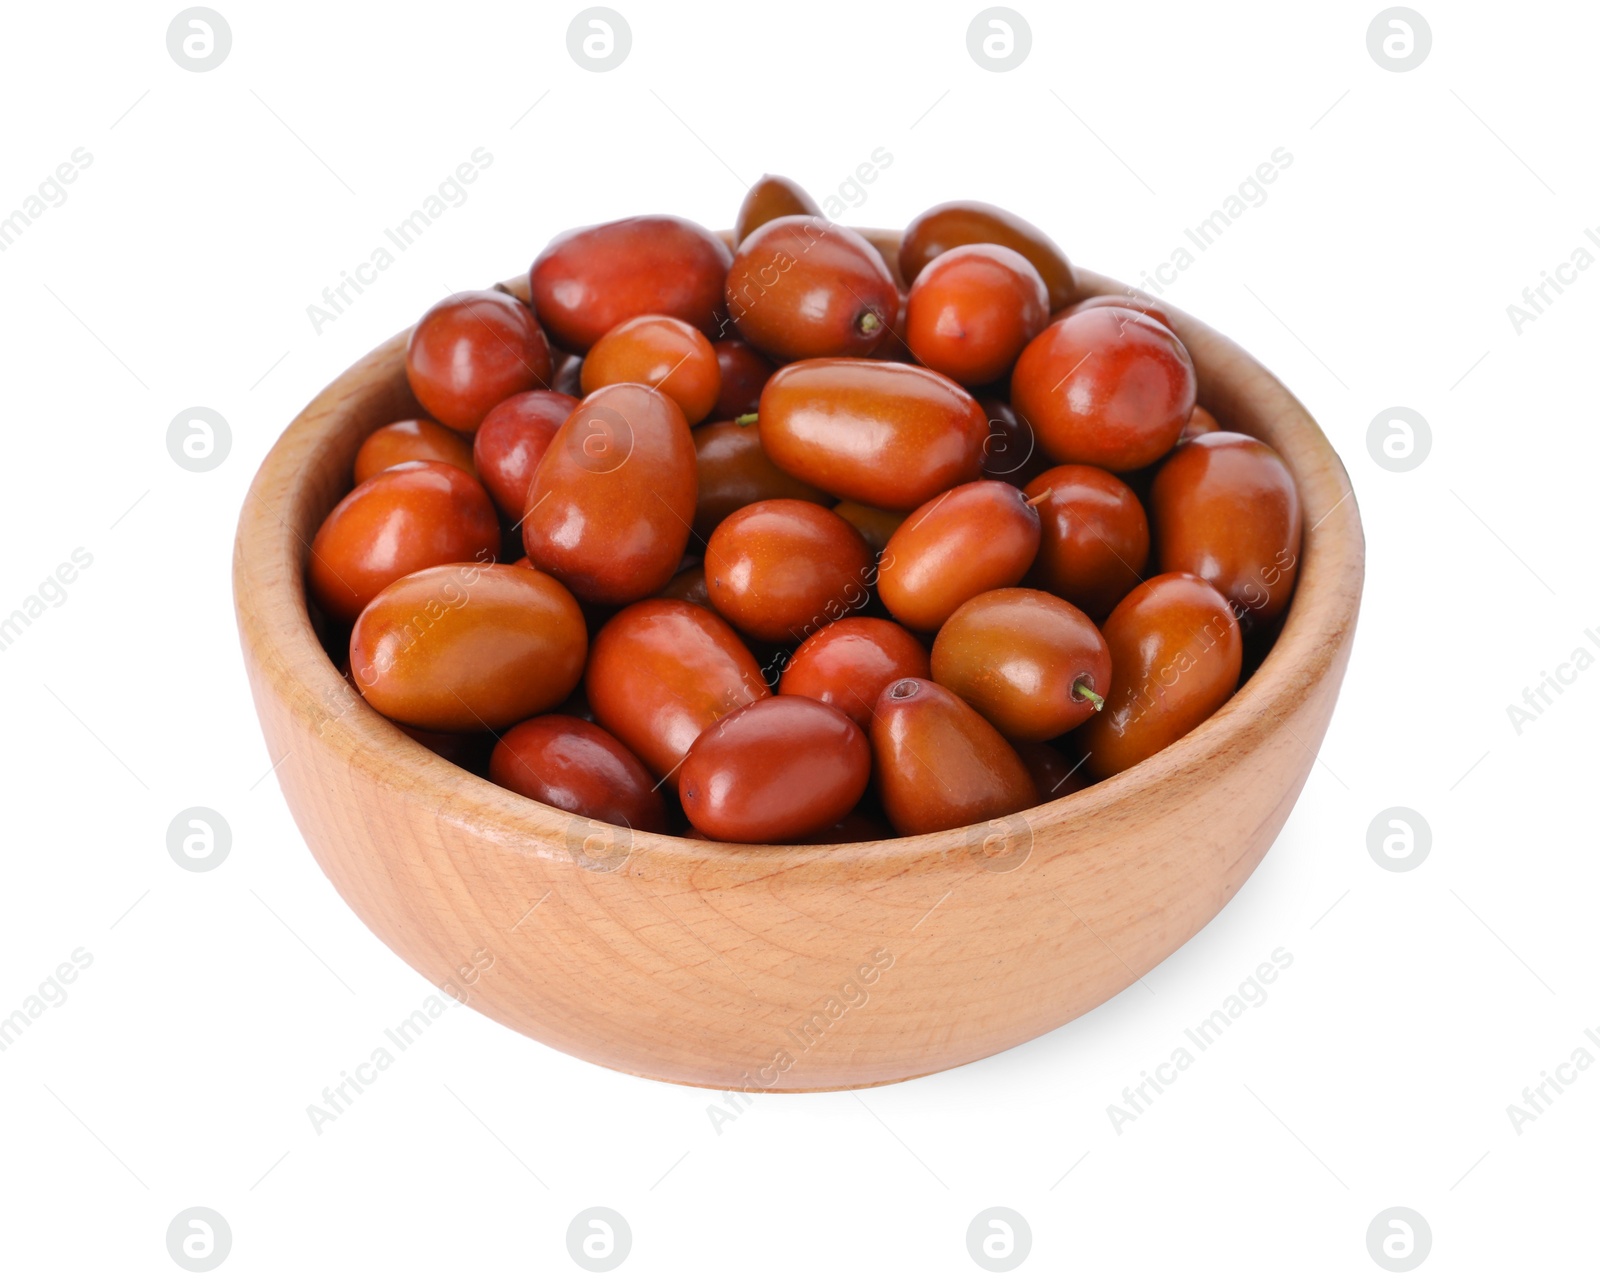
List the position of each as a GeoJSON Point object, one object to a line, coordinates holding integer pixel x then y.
{"type": "Point", "coordinates": [784, 967]}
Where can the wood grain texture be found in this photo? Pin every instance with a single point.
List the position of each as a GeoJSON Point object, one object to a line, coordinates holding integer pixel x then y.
{"type": "Point", "coordinates": [786, 968]}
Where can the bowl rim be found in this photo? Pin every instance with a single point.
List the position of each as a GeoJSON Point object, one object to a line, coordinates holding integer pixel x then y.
{"type": "Point", "coordinates": [279, 638]}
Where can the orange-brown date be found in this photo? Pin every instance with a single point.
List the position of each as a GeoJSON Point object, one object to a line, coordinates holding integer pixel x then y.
{"type": "Point", "coordinates": [972, 311]}
{"type": "Point", "coordinates": [849, 663]}
{"type": "Point", "coordinates": [781, 568]}
{"type": "Point", "coordinates": [1175, 659]}
{"type": "Point", "coordinates": [608, 510]}
{"type": "Point", "coordinates": [1094, 537]}
{"type": "Point", "coordinates": [888, 435]}
{"type": "Point", "coordinates": [412, 440]}
{"type": "Point", "coordinates": [590, 280]}
{"type": "Point", "coordinates": [663, 352]}
{"type": "Point", "coordinates": [576, 766]}
{"type": "Point", "coordinates": [405, 518]}
{"type": "Point", "coordinates": [1225, 507]}
{"type": "Point", "coordinates": [465, 648]}
{"type": "Point", "coordinates": [940, 764]}
{"type": "Point", "coordinates": [663, 671]}
{"type": "Point", "coordinates": [803, 287]}
{"type": "Point", "coordinates": [775, 770]}
{"type": "Point", "coordinates": [1031, 664]}
{"type": "Point", "coordinates": [769, 197]}
{"type": "Point", "coordinates": [970, 539]}
{"type": "Point", "coordinates": [972, 222]}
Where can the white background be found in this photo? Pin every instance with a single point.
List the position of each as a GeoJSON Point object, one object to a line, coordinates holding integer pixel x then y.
{"type": "Point", "coordinates": [218, 1006]}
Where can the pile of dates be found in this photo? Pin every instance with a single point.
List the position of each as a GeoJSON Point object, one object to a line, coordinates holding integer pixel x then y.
{"type": "Point", "coordinates": [756, 545]}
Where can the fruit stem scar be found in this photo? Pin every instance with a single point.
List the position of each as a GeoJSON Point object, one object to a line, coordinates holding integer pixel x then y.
{"type": "Point", "coordinates": [1081, 690]}
{"type": "Point", "coordinates": [868, 323]}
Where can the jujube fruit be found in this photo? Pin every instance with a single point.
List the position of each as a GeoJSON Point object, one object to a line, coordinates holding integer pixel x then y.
{"type": "Point", "coordinates": [849, 663]}
{"type": "Point", "coordinates": [940, 764]}
{"type": "Point", "coordinates": [887, 435]}
{"type": "Point", "coordinates": [412, 440]}
{"type": "Point", "coordinates": [609, 508]}
{"type": "Point", "coordinates": [744, 373]}
{"type": "Point", "coordinates": [661, 352]}
{"type": "Point", "coordinates": [803, 287]}
{"type": "Point", "coordinates": [1175, 659]}
{"type": "Point", "coordinates": [471, 351]}
{"type": "Point", "coordinates": [590, 280]}
{"type": "Point", "coordinates": [972, 310]}
{"type": "Point", "coordinates": [407, 517]}
{"type": "Point", "coordinates": [1107, 387]}
{"type": "Point", "coordinates": [769, 197]}
{"type": "Point", "coordinates": [970, 539]}
{"type": "Point", "coordinates": [465, 648]}
{"type": "Point", "coordinates": [663, 671]}
{"type": "Point", "coordinates": [776, 770]}
{"type": "Point", "coordinates": [972, 222]}
{"type": "Point", "coordinates": [1094, 537]}
{"type": "Point", "coordinates": [578, 767]}
{"type": "Point", "coordinates": [733, 471]}
{"type": "Point", "coordinates": [1225, 507]}
{"type": "Point", "coordinates": [1031, 664]}
{"type": "Point", "coordinates": [781, 568]}
{"type": "Point", "coordinates": [510, 444]}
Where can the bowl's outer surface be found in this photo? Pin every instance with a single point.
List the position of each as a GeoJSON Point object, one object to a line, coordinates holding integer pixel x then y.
{"type": "Point", "coordinates": [785, 968]}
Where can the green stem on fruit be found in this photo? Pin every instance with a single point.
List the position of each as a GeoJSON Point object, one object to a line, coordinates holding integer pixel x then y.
{"type": "Point", "coordinates": [1083, 691]}
{"type": "Point", "coordinates": [869, 322]}
{"type": "Point", "coordinates": [744, 420]}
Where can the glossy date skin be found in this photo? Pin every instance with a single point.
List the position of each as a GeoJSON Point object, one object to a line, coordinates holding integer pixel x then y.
{"type": "Point", "coordinates": [405, 518]}
{"type": "Point", "coordinates": [732, 471]}
{"type": "Point", "coordinates": [471, 351]}
{"type": "Point", "coordinates": [802, 287]}
{"type": "Point", "coordinates": [412, 440]}
{"type": "Point", "coordinates": [1226, 508]}
{"type": "Point", "coordinates": [466, 648]}
{"type": "Point", "coordinates": [663, 671]}
{"type": "Point", "coordinates": [1176, 653]}
{"type": "Point", "coordinates": [1023, 659]}
{"type": "Point", "coordinates": [781, 568]}
{"type": "Point", "coordinates": [1094, 537]}
{"type": "Point", "coordinates": [510, 444]}
{"type": "Point", "coordinates": [887, 435]}
{"type": "Point", "coordinates": [968, 540]}
{"type": "Point", "coordinates": [1107, 387]}
{"type": "Point", "coordinates": [972, 311]}
{"type": "Point", "coordinates": [972, 222]}
{"type": "Point", "coordinates": [578, 767]}
{"type": "Point", "coordinates": [661, 352]}
{"type": "Point", "coordinates": [609, 508]}
{"type": "Point", "coordinates": [590, 280]}
{"type": "Point", "coordinates": [769, 197]}
{"type": "Point", "coordinates": [940, 764]}
{"type": "Point", "coordinates": [849, 663]}
{"type": "Point", "coordinates": [776, 770]}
